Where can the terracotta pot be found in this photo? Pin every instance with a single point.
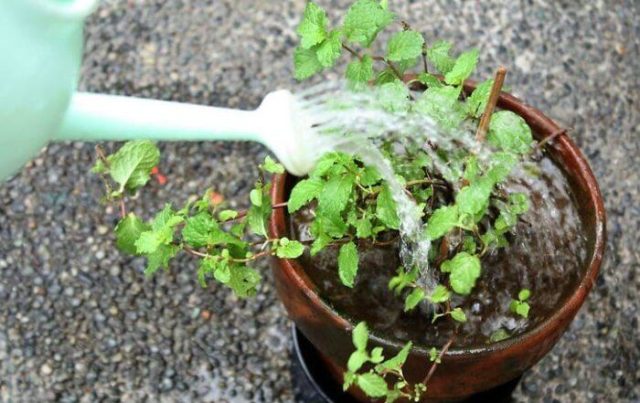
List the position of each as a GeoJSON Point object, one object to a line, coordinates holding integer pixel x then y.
{"type": "Point", "coordinates": [463, 372]}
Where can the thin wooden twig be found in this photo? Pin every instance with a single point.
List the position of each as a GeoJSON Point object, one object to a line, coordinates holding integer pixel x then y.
{"type": "Point", "coordinates": [491, 104]}
{"type": "Point", "coordinates": [432, 370]}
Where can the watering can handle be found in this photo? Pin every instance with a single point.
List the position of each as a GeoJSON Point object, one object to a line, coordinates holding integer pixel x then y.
{"type": "Point", "coordinates": [95, 117]}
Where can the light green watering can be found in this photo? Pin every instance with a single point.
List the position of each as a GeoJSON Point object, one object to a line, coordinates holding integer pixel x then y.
{"type": "Point", "coordinates": [41, 48]}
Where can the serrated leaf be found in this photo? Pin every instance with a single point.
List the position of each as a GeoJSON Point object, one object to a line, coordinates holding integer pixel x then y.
{"type": "Point", "coordinates": [335, 195]}
{"type": "Point", "coordinates": [160, 258]}
{"type": "Point", "coordinates": [501, 165]}
{"type": "Point", "coordinates": [373, 385]}
{"type": "Point", "coordinates": [440, 294]}
{"type": "Point", "coordinates": [404, 45]}
{"type": "Point", "coordinates": [442, 221]}
{"type": "Point", "coordinates": [303, 192]}
{"type": "Point", "coordinates": [402, 279]}
{"type": "Point", "coordinates": [360, 336]}
{"type": "Point", "coordinates": [524, 294]}
{"type": "Point", "coordinates": [499, 335]}
{"type": "Point", "coordinates": [397, 361]}
{"type": "Point", "coordinates": [131, 166]}
{"type": "Point", "coordinates": [306, 63]}
{"type": "Point", "coordinates": [226, 215]}
{"type": "Point", "coordinates": [329, 51]}
{"type": "Point", "coordinates": [520, 308]}
{"type": "Point", "coordinates": [464, 270]}
{"type": "Point", "coordinates": [198, 229]}
{"type": "Point", "coordinates": [463, 67]}
{"type": "Point", "coordinates": [357, 360]}
{"type": "Point", "coordinates": [413, 299]}
{"type": "Point", "coordinates": [288, 249]}
{"type": "Point", "coordinates": [363, 21]}
{"type": "Point", "coordinates": [473, 199]}
{"type": "Point", "coordinates": [313, 27]}
{"type": "Point", "coordinates": [438, 54]}
{"type": "Point", "coordinates": [271, 166]}
{"type": "Point", "coordinates": [441, 104]}
{"type": "Point", "coordinates": [255, 196]}
{"type": "Point", "coordinates": [429, 80]}
{"type": "Point", "coordinates": [510, 132]}
{"type": "Point", "coordinates": [386, 209]}
{"type": "Point", "coordinates": [477, 102]}
{"type": "Point", "coordinates": [376, 355]}
{"type": "Point", "coordinates": [519, 203]}
{"type": "Point", "coordinates": [348, 264]}
{"type": "Point", "coordinates": [363, 228]}
{"type": "Point", "coordinates": [128, 231]}
{"type": "Point", "coordinates": [458, 315]}
{"type": "Point", "coordinates": [360, 71]}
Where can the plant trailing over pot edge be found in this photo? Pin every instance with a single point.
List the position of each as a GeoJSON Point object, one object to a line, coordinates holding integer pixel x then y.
{"type": "Point", "coordinates": [467, 213]}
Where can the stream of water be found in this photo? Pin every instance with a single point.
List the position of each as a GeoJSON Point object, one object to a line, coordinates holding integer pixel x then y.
{"type": "Point", "coordinates": [356, 123]}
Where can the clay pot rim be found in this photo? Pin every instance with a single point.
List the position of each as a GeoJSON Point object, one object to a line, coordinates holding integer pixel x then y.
{"type": "Point", "coordinates": [529, 338]}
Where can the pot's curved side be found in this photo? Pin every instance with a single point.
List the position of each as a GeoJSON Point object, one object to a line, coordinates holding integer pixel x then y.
{"type": "Point", "coordinates": [463, 371]}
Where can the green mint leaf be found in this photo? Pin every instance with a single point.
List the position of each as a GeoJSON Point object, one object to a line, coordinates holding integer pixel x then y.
{"type": "Point", "coordinates": [404, 45]}
{"type": "Point", "coordinates": [413, 299]}
{"type": "Point", "coordinates": [477, 102]}
{"type": "Point", "coordinates": [329, 51]}
{"type": "Point", "coordinates": [128, 231]}
{"type": "Point", "coordinates": [348, 264]}
{"type": "Point", "coordinates": [429, 80]}
{"type": "Point", "coordinates": [433, 355]}
{"type": "Point", "coordinates": [360, 336]}
{"type": "Point", "coordinates": [271, 166]}
{"type": "Point", "coordinates": [474, 199]}
{"type": "Point", "coordinates": [131, 166]}
{"type": "Point", "coordinates": [319, 243]}
{"type": "Point", "coordinates": [256, 197]}
{"type": "Point", "coordinates": [363, 228]}
{"type": "Point", "coordinates": [438, 54]}
{"type": "Point", "coordinates": [499, 335]}
{"type": "Point", "coordinates": [161, 232]}
{"type": "Point", "coordinates": [303, 192]}
{"type": "Point", "coordinates": [402, 280]}
{"type": "Point", "coordinates": [306, 63]}
{"type": "Point", "coordinates": [335, 195]}
{"type": "Point", "coordinates": [393, 96]}
{"type": "Point", "coordinates": [376, 355]}
{"type": "Point", "coordinates": [458, 315]}
{"type": "Point", "coordinates": [524, 294]}
{"type": "Point", "coordinates": [289, 249]}
{"type": "Point", "coordinates": [441, 104]}
{"type": "Point", "coordinates": [357, 360]}
{"type": "Point", "coordinates": [160, 258]}
{"type": "Point", "coordinates": [442, 221]}
{"type": "Point", "coordinates": [360, 71]}
{"type": "Point", "coordinates": [463, 67]}
{"type": "Point", "coordinates": [198, 229]}
{"type": "Point", "coordinates": [386, 209]}
{"type": "Point", "coordinates": [510, 132]}
{"type": "Point", "coordinates": [519, 203]}
{"type": "Point", "coordinates": [349, 379]}
{"type": "Point", "coordinates": [464, 270]}
{"type": "Point", "coordinates": [385, 76]}
{"type": "Point", "coordinates": [397, 361]}
{"type": "Point", "coordinates": [226, 215]}
{"type": "Point", "coordinates": [313, 28]}
{"type": "Point", "coordinates": [471, 169]}
{"type": "Point", "coordinates": [364, 20]}
{"type": "Point", "coordinates": [520, 308]}
{"type": "Point", "coordinates": [501, 165]}
{"type": "Point", "coordinates": [244, 281]}
{"type": "Point", "coordinates": [440, 294]}
{"type": "Point", "coordinates": [373, 385]}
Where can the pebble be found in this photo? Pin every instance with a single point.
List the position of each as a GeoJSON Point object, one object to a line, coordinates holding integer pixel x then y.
{"type": "Point", "coordinates": [116, 333]}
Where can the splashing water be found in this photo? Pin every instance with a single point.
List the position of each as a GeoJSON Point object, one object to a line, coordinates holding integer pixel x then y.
{"type": "Point", "coordinates": [357, 122]}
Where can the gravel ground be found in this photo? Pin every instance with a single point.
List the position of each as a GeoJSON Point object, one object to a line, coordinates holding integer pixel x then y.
{"type": "Point", "coordinates": [79, 322]}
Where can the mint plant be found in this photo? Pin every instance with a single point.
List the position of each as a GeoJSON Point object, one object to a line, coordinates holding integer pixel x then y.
{"type": "Point", "coordinates": [467, 212]}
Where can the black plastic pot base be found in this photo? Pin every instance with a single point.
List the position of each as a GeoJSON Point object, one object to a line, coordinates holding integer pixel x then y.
{"type": "Point", "coordinates": [312, 384]}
